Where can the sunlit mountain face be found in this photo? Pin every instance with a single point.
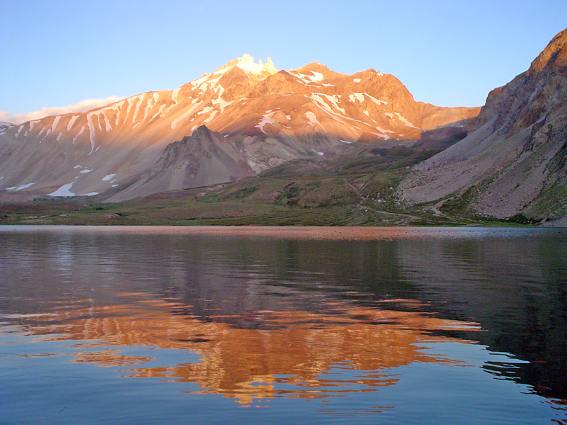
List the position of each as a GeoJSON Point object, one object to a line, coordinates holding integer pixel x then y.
{"type": "Point", "coordinates": [325, 324]}
{"type": "Point", "coordinates": [245, 118]}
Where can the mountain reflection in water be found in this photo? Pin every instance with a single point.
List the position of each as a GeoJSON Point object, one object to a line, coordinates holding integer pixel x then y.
{"type": "Point", "coordinates": [314, 325]}
{"type": "Point", "coordinates": [295, 348]}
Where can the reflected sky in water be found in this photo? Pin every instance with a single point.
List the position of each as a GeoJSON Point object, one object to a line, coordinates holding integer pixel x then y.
{"type": "Point", "coordinates": [299, 325]}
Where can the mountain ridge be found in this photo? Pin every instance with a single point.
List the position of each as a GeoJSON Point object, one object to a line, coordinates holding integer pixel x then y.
{"type": "Point", "coordinates": [513, 163]}
{"type": "Point", "coordinates": [268, 110]}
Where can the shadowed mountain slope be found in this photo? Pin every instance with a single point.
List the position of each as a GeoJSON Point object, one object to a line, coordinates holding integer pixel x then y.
{"type": "Point", "coordinates": [515, 161]}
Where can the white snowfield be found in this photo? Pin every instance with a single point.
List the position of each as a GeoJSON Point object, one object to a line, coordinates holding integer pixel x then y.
{"type": "Point", "coordinates": [63, 191]}
{"type": "Point", "coordinates": [66, 192]}
{"type": "Point", "coordinates": [20, 187]}
{"type": "Point", "coordinates": [108, 177]}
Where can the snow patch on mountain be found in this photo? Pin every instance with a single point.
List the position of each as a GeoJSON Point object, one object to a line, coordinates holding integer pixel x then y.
{"type": "Point", "coordinates": [401, 118]}
{"type": "Point", "coordinates": [247, 63]}
{"type": "Point", "coordinates": [376, 101]}
{"type": "Point", "coordinates": [312, 118]}
{"type": "Point", "coordinates": [91, 132]}
{"type": "Point", "coordinates": [65, 192]}
{"type": "Point", "coordinates": [266, 119]}
{"type": "Point", "coordinates": [71, 122]}
{"type": "Point", "coordinates": [20, 187]}
{"type": "Point", "coordinates": [308, 79]}
{"type": "Point", "coordinates": [184, 115]}
{"type": "Point", "coordinates": [321, 99]}
{"type": "Point", "coordinates": [356, 97]}
{"type": "Point", "coordinates": [175, 94]}
{"type": "Point", "coordinates": [55, 123]}
{"type": "Point", "coordinates": [79, 134]}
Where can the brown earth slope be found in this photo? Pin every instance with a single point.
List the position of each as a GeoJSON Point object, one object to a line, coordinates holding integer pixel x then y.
{"type": "Point", "coordinates": [515, 161]}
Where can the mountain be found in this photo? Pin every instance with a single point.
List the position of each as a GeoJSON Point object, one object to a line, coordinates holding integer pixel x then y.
{"type": "Point", "coordinates": [256, 118]}
{"type": "Point", "coordinates": [514, 162]}
{"type": "Point", "coordinates": [4, 126]}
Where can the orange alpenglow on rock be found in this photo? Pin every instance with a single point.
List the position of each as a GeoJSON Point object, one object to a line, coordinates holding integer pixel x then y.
{"type": "Point", "coordinates": [256, 117]}
{"type": "Point", "coordinates": [296, 350]}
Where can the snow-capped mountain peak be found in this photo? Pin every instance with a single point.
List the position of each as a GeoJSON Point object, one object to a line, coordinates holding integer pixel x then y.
{"type": "Point", "coordinates": [248, 64]}
{"type": "Point", "coordinates": [258, 118]}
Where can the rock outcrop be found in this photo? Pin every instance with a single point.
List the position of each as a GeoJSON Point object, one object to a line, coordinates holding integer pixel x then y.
{"type": "Point", "coordinates": [514, 162]}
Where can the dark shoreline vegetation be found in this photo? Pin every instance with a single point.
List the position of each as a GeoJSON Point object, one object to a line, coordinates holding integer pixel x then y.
{"type": "Point", "coordinates": [344, 200]}
{"type": "Point", "coordinates": [182, 209]}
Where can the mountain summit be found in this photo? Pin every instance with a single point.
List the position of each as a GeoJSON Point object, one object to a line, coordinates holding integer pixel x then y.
{"type": "Point", "coordinates": [260, 117]}
{"type": "Point", "coordinates": [247, 63]}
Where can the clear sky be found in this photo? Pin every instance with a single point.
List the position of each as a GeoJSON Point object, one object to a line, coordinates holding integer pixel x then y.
{"type": "Point", "coordinates": [448, 52]}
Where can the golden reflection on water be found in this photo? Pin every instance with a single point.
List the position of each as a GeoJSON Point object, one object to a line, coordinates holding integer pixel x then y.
{"type": "Point", "coordinates": [295, 354]}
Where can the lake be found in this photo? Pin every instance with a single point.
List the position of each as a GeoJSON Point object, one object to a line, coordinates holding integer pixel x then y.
{"type": "Point", "coordinates": [252, 325]}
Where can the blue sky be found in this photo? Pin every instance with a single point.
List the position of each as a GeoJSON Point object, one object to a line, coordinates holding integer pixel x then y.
{"type": "Point", "coordinates": [58, 52]}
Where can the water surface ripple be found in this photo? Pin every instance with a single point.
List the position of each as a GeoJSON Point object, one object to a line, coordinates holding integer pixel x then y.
{"type": "Point", "coordinates": [145, 325]}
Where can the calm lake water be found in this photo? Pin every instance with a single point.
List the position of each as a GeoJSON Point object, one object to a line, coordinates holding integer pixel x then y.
{"type": "Point", "coordinates": [282, 325]}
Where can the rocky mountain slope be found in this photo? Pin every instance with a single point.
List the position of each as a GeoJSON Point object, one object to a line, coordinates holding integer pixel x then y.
{"type": "Point", "coordinates": [259, 118]}
{"type": "Point", "coordinates": [515, 160]}
{"type": "Point", "coordinates": [4, 126]}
